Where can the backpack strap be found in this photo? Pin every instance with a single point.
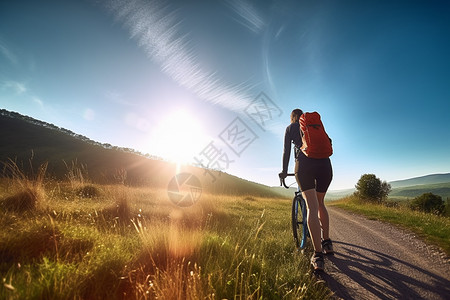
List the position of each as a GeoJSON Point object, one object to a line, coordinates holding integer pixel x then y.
{"type": "Point", "coordinates": [297, 151]}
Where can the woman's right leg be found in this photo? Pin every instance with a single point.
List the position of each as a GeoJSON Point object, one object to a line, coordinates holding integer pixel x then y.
{"type": "Point", "coordinates": [312, 205]}
{"type": "Point", "coordinates": [306, 182]}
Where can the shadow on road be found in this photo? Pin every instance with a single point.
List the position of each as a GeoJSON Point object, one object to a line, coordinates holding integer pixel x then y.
{"type": "Point", "coordinates": [381, 276]}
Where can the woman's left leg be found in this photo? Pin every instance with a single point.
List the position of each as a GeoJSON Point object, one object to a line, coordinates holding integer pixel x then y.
{"type": "Point", "coordinates": [323, 216]}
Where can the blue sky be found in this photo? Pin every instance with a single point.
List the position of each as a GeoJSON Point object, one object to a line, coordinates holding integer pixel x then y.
{"type": "Point", "coordinates": [214, 82]}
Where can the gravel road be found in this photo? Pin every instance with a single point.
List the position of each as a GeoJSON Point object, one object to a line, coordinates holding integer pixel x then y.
{"type": "Point", "coordinates": [375, 260]}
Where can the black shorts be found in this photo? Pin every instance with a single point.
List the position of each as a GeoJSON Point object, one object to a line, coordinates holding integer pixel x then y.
{"type": "Point", "coordinates": [312, 173]}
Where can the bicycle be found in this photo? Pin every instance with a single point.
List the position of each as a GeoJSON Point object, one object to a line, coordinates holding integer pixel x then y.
{"type": "Point", "coordinates": [298, 217]}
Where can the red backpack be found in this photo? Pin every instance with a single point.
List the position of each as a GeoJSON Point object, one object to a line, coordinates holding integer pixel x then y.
{"type": "Point", "coordinates": [316, 143]}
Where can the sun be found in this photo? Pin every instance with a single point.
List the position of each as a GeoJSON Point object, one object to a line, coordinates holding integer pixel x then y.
{"type": "Point", "coordinates": [178, 137]}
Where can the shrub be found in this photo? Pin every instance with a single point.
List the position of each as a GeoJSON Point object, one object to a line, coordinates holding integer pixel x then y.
{"type": "Point", "coordinates": [22, 201]}
{"type": "Point", "coordinates": [393, 204]}
{"type": "Point", "coordinates": [88, 191]}
{"type": "Point", "coordinates": [429, 203]}
{"type": "Point", "coordinates": [447, 208]}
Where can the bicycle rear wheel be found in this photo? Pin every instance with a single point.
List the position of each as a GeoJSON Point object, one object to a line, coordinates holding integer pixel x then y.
{"type": "Point", "coordinates": [299, 225]}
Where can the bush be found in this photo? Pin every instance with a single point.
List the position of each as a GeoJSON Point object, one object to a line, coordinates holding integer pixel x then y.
{"type": "Point", "coordinates": [393, 204]}
{"type": "Point", "coordinates": [22, 201]}
{"type": "Point", "coordinates": [447, 208]}
{"type": "Point", "coordinates": [88, 191]}
{"type": "Point", "coordinates": [429, 203]}
{"type": "Point", "coordinates": [371, 188]}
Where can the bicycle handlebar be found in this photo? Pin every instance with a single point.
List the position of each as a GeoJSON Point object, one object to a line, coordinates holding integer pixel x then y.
{"type": "Point", "coordinates": [282, 182]}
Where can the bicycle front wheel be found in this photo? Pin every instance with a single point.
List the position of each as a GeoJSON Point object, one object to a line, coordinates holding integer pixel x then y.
{"type": "Point", "coordinates": [299, 225]}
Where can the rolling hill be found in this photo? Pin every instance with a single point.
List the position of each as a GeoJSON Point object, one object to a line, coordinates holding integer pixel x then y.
{"type": "Point", "coordinates": [438, 184]}
{"type": "Point", "coordinates": [441, 189]}
{"type": "Point", "coordinates": [24, 139]}
{"type": "Point", "coordinates": [428, 179]}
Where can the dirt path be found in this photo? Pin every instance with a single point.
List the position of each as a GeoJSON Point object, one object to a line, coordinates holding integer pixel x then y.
{"type": "Point", "coordinates": [375, 260]}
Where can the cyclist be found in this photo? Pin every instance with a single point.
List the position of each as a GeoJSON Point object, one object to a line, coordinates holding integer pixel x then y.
{"type": "Point", "coordinates": [313, 177]}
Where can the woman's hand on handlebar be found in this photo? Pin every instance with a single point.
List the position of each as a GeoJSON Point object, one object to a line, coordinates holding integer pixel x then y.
{"type": "Point", "coordinates": [283, 176]}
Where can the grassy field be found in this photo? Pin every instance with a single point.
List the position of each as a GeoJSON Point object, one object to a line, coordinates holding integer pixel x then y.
{"type": "Point", "coordinates": [434, 229]}
{"type": "Point", "coordinates": [78, 240]}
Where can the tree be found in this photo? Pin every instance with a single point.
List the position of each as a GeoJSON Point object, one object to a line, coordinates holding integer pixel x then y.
{"type": "Point", "coordinates": [385, 190]}
{"type": "Point", "coordinates": [428, 202]}
{"type": "Point", "coordinates": [371, 188]}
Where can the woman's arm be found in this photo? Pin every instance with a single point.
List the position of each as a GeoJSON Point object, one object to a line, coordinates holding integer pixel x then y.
{"type": "Point", "coordinates": [286, 150]}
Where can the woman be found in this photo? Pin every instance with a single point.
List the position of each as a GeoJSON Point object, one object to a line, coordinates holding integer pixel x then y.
{"type": "Point", "coordinates": [313, 178]}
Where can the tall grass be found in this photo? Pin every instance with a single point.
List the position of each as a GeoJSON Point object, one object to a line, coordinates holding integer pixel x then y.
{"type": "Point", "coordinates": [77, 174]}
{"type": "Point", "coordinates": [78, 177]}
{"type": "Point", "coordinates": [133, 243]}
{"type": "Point", "coordinates": [26, 191]}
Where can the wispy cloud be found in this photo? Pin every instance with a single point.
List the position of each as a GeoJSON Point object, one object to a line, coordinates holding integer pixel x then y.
{"type": "Point", "coordinates": [38, 101]}
{"type": "Point", "coordinates": [247, 15]}
{"type": "Point", "coordinates": [21, 90]}
{"type": "Point", "coordinates": [157, 28]}
{"type": "Point", "coordinates": [7, 53]}
{"type": "Point", "coordinates": [279, 31]}
{"type": "Point", "coordinates": [18, 87]}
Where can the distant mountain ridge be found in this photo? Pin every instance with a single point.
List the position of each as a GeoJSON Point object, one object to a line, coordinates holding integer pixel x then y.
{"type": "Point", "coordinates": [441, 189]}
{"type": "Point", "coordinates": [427, 179]}
{"type": "Point", "coordinates": [435, 183]}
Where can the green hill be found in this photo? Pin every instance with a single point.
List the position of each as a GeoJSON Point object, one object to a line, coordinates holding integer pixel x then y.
{"type": "Point", "coordinates": [438, 184]}
{"type": "Point", "coordinates": [441, 189]}
{"type": "Point", "coordinates": [402, 193]}
{"type": "Point", "coordinates": [428, 179]}
{"type": "Point", "coordinates": [28, 139]}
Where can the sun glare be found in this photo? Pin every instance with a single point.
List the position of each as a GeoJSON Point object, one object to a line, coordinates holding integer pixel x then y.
{"type": "Point", "coordinates": [178, 137]}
